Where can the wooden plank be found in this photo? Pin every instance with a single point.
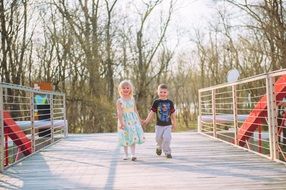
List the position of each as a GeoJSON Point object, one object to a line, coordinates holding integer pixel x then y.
{"type": "Point", "coordinates": [95, 162]}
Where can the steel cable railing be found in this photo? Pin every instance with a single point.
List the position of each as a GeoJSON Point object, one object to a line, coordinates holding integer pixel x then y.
{"type": "Point", "coordinates": [31, 119]}
{"type": "Point", "coordinates": [250, 113]}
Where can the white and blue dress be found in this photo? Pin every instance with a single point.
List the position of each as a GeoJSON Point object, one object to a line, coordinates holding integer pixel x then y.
{"type": "Point", "coordinates": [132, 132]}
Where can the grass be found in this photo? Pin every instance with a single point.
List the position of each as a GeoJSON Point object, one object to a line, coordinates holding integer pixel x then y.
{"type": "Point", "coordinates": [182, 127]}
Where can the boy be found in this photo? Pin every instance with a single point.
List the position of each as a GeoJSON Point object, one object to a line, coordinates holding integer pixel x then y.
{"type": "Point", "coordinates": [166, 120]}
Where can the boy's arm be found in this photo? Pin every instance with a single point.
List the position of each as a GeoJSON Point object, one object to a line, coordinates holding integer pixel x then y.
{"type": "Point", "coordinates": [174, 121]}
{"type": "Point", "coordinates": [151, 113]}
{"type": "Point", "coordinates": [120, 114]}
{"type": "Point", "coordinates": [149, 117]}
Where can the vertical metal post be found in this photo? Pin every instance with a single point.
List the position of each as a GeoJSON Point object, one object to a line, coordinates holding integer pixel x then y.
{"type": "Point", "coordinates": [272, 117]}
{"type": "Point", "coordinates": [65, 117]}
{"type": "Point", "coordinates": [234, 107]}
{"type": "Point", "coordinates": [2, 143]}
{"type": "Point", "coordinates": [200, 112]}
{"type": "Point", "coordinates": [52, 117]}
{"type": "Point", "coordinates": [214, 113]}
{"type": "Point", "coordinates": [274, 121]}
{"type": "Point", "coordinates": [32, 116]}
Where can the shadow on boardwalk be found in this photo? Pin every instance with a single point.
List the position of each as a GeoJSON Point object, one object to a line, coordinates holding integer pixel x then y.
{"type": "Point", "coordinates": [95, 162]}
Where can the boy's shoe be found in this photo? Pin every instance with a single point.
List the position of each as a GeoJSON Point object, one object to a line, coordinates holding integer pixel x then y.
{"type": "Point", "coordinates": [158, 151]}
{"type": "Point", "coordinates": [169, 156]}
{"type": "Point", "coordinates": [133, 158]}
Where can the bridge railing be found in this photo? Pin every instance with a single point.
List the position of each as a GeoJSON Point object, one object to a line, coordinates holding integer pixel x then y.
{"type": "Point", "coordinates": [249, 113]}
{"type": "Point", "coordinates": [30, 120]}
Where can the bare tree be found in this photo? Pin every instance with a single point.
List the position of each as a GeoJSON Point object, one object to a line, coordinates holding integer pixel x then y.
{"type": "Point", "coordinates": [146, 55]}
{"type": "Point", "coordinates": [86, 32]}
{"type": "Point", "coordinates": [270, 21]}
{"type": "Point", "coordinates": [14, 40]}
{"type": "Point", "coordinates": [109, 64]}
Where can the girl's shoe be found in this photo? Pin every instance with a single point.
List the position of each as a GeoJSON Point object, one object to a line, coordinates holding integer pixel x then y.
{"type": "Point", "coordinates": [125, 157]}
{"type": "Point", "coordinates": [158, 151]}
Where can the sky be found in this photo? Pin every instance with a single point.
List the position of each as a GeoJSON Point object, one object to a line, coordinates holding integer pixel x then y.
{"type": "Point", "coordinates": [188, 16]}
{"type": "Point", "coordinates": [190, 13]}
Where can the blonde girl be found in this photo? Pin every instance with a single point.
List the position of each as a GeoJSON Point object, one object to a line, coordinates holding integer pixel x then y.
{"type": "Point", "coordinates": [129, 126]}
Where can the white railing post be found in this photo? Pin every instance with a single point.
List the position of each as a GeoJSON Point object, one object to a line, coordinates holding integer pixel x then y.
{"type": "Point", "coordinates": [32, 116]}
{"type": "Point", "coordinates": [199, 115]}
{"type": "Point", "coordinates": [65, 117]}
{"type": "Point", "coordinates": [272, 117]}
{"type": "Point", "coordinates": [2, 143]}
{"type": "Point", "coordinates": [234, 107]}
{"type": "Point", "coordinates": [52, 116]}
{"type": "Point", "coordinates": [214, 113]}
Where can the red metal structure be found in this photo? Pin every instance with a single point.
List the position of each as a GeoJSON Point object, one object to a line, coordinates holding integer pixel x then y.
{"type": "Point", "coordinates": [13, 131]}
{"type": "Point", "coordinates": [259, 112]}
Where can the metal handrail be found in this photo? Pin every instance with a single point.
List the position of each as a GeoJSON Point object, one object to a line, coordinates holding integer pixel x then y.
{"type": "Point", "coordinates": [34, 134]}
{"type": "Point", "coordinates": [245, 80]}
{"type": "Point", "coordinates": [215, 103]}
{"type": "Point", "coordinates": [29, 89]}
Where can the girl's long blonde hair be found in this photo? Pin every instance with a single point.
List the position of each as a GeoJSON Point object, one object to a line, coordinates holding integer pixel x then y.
{"type": "Point", "coordinates": [125, 83]}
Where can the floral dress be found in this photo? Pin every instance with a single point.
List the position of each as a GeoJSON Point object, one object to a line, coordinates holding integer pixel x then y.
{"type": "Point", "coordinates": [132, 132]}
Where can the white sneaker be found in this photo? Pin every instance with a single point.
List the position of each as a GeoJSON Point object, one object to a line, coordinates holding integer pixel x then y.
{"type": "Point", "coordinates": [125, 157]}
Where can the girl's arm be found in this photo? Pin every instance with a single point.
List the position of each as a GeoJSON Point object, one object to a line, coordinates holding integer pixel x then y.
{"type": "Point", "coordinates": [120, 114]}
{"type": "Point", "coordinates": [136, 111]}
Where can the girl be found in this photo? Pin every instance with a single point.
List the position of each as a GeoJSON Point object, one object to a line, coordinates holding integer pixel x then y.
{"type": "Point", "coordinates": [129, 126]}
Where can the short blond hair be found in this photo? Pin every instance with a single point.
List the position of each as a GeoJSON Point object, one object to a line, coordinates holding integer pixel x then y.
{"type": "Point", "coordinates": [125, 83]}
{"type": "Point", "coordinates": [162, 86]}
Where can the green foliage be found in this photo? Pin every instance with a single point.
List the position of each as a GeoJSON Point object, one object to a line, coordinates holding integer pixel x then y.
{"type": "Point", "coordinates": [181, 126]}
{"type": "Point", "coordinates": [91, 115]}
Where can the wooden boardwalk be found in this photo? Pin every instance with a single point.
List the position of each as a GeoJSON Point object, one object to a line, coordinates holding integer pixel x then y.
{"type": "Point", "coordinates": [95, 162]}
